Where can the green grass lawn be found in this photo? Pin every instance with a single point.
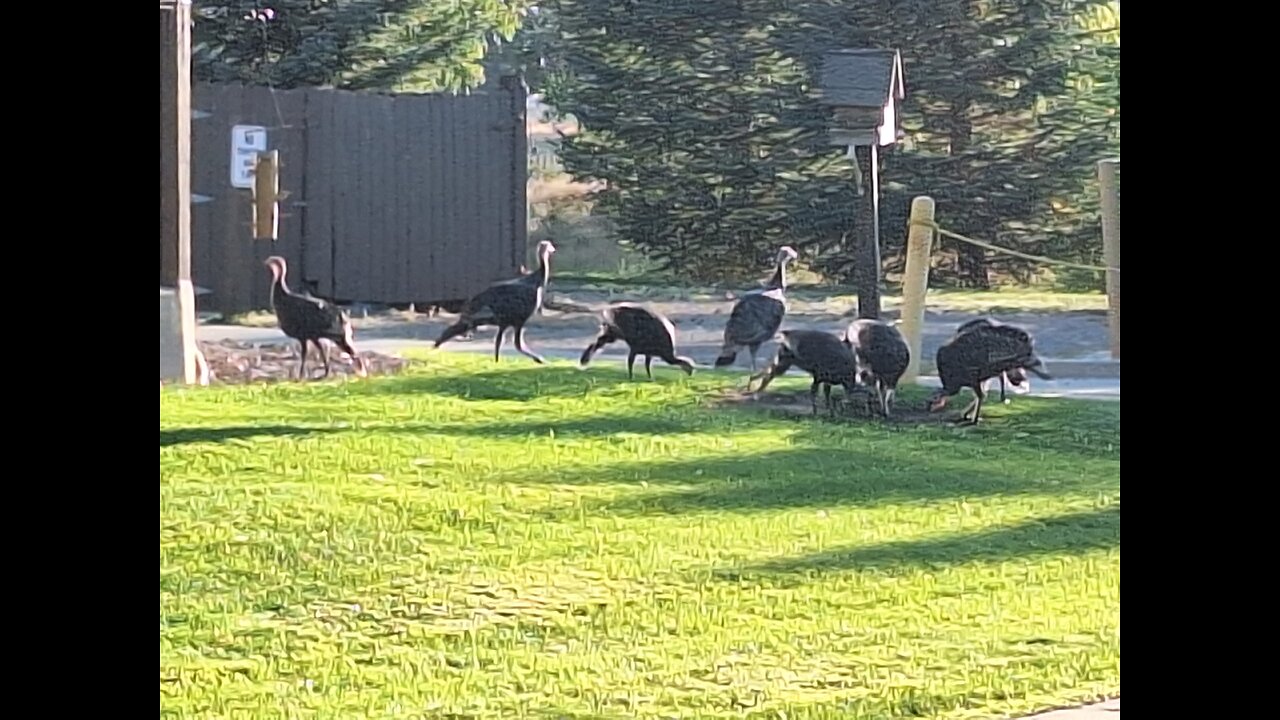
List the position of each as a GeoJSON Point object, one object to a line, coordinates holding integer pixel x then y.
{"type": "Point", "coordinates": [478, 541]}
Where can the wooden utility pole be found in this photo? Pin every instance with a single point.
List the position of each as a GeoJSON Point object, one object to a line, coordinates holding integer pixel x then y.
{"type": "Point", "coordinates": [863, 87]}
{"type": "Point", "coordinates": [867, 232]}
{"type": "Point", "coordinates": [1109, 180]}
{"type": "Point", "coordinates": [175, 173]}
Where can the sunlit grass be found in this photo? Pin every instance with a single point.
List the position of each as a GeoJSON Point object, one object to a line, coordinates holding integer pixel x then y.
{"type": "Point", "coordinates": [512, 540]}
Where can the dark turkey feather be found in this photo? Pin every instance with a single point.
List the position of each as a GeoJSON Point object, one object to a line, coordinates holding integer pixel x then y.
{"type": "Point", "coordinates": [1014, 377]}
{"type": "Point", "coordinates": [882, 356]}
{"type": "Point", "coordinates": [757, 315]}
{"type": "Point", "coordinates": [645, 331]}
{"type": "Point", "coordinates": [984, 351]}
{"type": "Point", "coordinates": [310, 319]}
{"type": "Point", "coordinates": [506, 304]}
{"type": "Point", "coordinates": [824, 356]}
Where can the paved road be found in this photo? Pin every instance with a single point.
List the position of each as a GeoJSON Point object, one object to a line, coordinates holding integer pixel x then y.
{"type": "Point", "coordinates": [699, 321]}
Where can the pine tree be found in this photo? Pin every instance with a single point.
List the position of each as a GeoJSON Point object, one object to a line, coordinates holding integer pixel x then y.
{"type": "Point", "coordinates": [396, 45]}
{"type": "Point", "coordinates": [702, 119]}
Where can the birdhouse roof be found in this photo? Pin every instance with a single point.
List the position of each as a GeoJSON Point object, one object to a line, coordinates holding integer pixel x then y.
{"type": "Point", "coordinates": [865, 78]}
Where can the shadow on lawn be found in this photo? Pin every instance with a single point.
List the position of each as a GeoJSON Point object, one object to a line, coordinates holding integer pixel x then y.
{"type": "Point", "coordinates": [182, 436]}
{"type": "Point", "coordinates": [593, 426]}
{"type": "Point", "coordinates": [1073, 533]}
{"type": "Point", "coordinates": [819, 477]}
{"type": "Point", "coordinates": [522, 384]}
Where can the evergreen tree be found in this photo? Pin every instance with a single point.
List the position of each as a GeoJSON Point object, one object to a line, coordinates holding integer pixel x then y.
{"type": "Point", "coordinates": [397, 45]}
{"type": "Point", "coordinates": [703, 129]}
{"type": "Point", "coordinates": [703, 121]}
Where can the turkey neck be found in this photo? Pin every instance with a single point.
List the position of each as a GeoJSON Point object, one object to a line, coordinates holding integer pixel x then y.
{"type": "Point", "coordinates": [779, 279]}
{"type": "Point", "coordinates": [279, 288]}
{"type": "Point", "coordinates": [544, 270]}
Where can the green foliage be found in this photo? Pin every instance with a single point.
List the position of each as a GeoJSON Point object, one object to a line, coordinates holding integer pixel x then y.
{"type": "Point", "coordinates": [702, 121]}
{"type": "Point", "coordinates": [397, 45]}
{"type": "Point", "coordinates": [981, 76]}
{"type": "Point", "coordinates": [529, 51]}
{"type": "Point", "coordinates": [472, 540]}
{"type": "Point", "coordinates": [1088, 118]}
{"type": "Point", "coordinates": [701, 126]}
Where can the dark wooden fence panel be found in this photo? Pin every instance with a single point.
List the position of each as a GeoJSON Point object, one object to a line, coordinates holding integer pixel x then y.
{"type": "Point", "coordinates": [318, 193]}
{"type": "Point", "coordinates": [391, 198]}
{"type": "Point", "coordinates": [226, 259]}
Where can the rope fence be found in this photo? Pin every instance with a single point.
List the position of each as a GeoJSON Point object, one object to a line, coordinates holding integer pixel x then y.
{"type": "Point", "coordinates": [1008, 251]}
{"type": "Point", "coordinates": [922, 228]}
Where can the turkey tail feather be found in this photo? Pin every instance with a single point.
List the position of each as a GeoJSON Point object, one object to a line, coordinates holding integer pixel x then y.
{"type": "Point", "coordinates": [452, 331]}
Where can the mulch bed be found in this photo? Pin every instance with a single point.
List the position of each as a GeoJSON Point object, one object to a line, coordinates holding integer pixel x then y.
{"type": "Point", "coordinates": [797, 404]}
{"type": "Point", "coordinates": [232, 362]}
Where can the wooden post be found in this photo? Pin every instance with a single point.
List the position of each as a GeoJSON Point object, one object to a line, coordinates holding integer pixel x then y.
{"type": "Point", "coordinates": [867, 233]}
{"type": "Point", "coordinates": [1108, 179]}
{"type": "Point", "coordinates": [266, 195]}
{"type": "Point", "coordinates": [175, 171]}
{"type": "Point", "coordinates": [915, 283]}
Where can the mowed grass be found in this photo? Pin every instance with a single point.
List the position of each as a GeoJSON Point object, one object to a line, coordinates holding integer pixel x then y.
{"type": "Point", "coordinates": [472, 540]}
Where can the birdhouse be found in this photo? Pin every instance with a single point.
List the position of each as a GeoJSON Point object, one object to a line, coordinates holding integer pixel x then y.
{"type": "Point", "coordinates": [864, 90]}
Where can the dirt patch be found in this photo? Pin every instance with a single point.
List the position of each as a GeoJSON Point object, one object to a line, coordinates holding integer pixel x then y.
{"type": "Point", "coordinates": [794, 404]}
{"type": "Point", "coordinates": [237, 363]}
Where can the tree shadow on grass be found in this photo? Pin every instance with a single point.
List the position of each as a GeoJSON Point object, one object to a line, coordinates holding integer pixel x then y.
{"type": "Point", "coordinates": [592, 426]}
{"type": "Point", "coordinates": [789, 396]}
{"type": "Point", "coordinates": [520, 384]}
{"type": "Point", "coordinates": [182, 436]}
{"type": "Point", "coordinates": [1074, 533]}
{"type": "Point", "coordinates": [814, 477]}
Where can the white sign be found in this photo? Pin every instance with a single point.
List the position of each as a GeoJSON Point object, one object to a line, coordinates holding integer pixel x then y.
{"type": "Point", "coordinates": [246, 142]}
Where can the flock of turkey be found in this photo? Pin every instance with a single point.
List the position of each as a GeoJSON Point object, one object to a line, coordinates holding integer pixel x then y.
{"type": "Point", "coordinates": [868, 357]}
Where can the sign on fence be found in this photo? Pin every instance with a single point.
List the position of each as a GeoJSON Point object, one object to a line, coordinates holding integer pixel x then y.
{"type": "Point", "coordinates": [246, 142]}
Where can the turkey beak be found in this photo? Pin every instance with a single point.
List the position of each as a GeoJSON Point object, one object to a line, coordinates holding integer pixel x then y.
{"type": "Point", "coordinates": [937, 402]}
{"type": "Point", "coordinates": [1037, 367]}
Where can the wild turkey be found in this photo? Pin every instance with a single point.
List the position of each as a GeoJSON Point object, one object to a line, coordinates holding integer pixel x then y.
{"type": "Point", "coordinates": [983, 352]}
{"type": "Point", "coordinates": [882, 356]}
{"type": "Point", "coordinates": [644, 330]}
{"type": "Point", "coordinates": [1014, 377]}
{"type": "Point", "coordinates": [309, 319]}
{"type": "Point", "coordinates": [824, 356]}
{"type": "Point", "coordinates": [757, 316]}
{"type": "Point", "coordinates": [506, 304]}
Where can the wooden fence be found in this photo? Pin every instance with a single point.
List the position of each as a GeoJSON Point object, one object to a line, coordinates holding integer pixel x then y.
{"type": "Point", "coordinates": [391, 198]}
